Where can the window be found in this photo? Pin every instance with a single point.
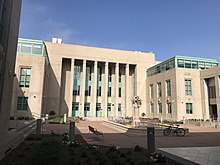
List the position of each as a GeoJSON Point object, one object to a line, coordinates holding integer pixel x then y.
{"type": "Point", "coordinates": [87, 109]}
{"type": "Point", "coordinates": [152, 108]}
{"type": "Point", "coordinates": [151, 91]}
{"type": "Point", "coordinates": [208, 65]}
{"type": "Point", "coordinates": [76, 83]}
{"type": "Point", "coordinates": [169, 108]}
{"type": "Point", "coordinates": [119, 78]}
{"type": "Point", "coordinates": [88, 81]}
{"type": "Point", "coordinates": [211, 92]}
{"type": "Point", "coordinates": [99, 91]}
{"type": "Point", "coordinates": [180, 63]}
{"type": "Point", "coordinates": [201, 65]}
{"type": "Point", "coordinates": [22, 104]}
{"type": "Point", "coordinates": [119, 107]}
{"type": "Point", "coordinates": [109, 74]}
{"type": "Point", "coordinates": [99, 73]}
{"type": "Point", "coordinates": [109, 91]}
{"type": "Point", "coordinates": [98, 106]}
{"type": "Point", "coordinates": [195, 64]}
{"type": "Point", "coordinates": [25, 74]}
{"type": "Point", "coordinates": [189, 109]}
{"type": "Point", "coordinates": [109, 106]}
{"type": "Point", "coordinates": [119, 92]}
{"type": "Point", "coordinates": [188, 87]}
{"type": "Point", "coordinates": [160, 107]}
{"type": "Point", "coordinates": [159, 89]}
{"type": "Point", "coordinates": [168, 84]}
{"type": "Point", "coordinates": [188, 64]}
{"type": "Point", "coordinates": [37, 48]}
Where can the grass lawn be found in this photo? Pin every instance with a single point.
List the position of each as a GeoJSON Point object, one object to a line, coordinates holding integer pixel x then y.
{"type": "Point", "coordinates": [50, 150]}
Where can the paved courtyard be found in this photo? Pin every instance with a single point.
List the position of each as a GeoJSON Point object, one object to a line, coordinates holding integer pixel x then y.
{"type": "Point", "coordinates": [199, 146]}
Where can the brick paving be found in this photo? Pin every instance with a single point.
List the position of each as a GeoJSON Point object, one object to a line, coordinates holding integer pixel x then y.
{"type": "Point", "coordinates": [198, 137]}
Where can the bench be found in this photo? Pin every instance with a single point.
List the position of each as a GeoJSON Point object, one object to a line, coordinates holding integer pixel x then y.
{"type": "Point", "coordinates": [95, 131]}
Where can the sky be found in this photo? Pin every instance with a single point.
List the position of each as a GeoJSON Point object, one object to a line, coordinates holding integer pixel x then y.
{"type": "Point", "coordinates": [164, 27]}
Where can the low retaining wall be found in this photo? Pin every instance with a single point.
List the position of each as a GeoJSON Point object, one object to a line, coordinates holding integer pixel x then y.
{"type": "Point", "coordinates": [134, 131]}
{"type": "Point", "coordinates": [11, 140]}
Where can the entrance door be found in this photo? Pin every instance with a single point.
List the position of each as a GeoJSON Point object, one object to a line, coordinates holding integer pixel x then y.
{"type": "Point", "coordinates": [98, 110]}
{"type": "Point", "coordinates": [75, 109]}
{"type": "Point", "coordinates": [109, 111]}
{"type": "Point", "coordinates": [213, 111]}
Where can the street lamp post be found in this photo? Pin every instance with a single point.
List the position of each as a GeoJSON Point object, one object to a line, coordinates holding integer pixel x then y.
{"type": "Point", "coordinates": [136, 102]}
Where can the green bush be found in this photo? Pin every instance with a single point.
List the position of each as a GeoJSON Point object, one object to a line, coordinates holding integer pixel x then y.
{"type": "Point", "coordinates": [52, 113]}
{"type": "Point", "coordinates": [57, 120]}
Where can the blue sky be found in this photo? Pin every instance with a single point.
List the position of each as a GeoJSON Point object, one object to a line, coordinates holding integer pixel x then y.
{"type": "Point", "coordinates": [164, 27]}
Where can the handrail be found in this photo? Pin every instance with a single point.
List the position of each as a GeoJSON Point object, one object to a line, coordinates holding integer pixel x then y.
{"type": "Point", "coordinates": [32, 124]}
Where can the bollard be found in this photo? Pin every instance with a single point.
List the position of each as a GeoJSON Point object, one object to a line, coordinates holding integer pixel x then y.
{"type": "Point", "coordinates": [46, 118]}
{"type": "Point", "coordinates": [150, 140]}
{"type": "Point", "coordinates": [64, 118]}
{"type": "Point", "coordinates": [38, 129]}
{"type": "Point", "coordinates": [72, 131]}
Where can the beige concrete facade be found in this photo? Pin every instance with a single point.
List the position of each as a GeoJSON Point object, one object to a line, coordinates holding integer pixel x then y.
{"type": "Point", "coordinates": [62, 59]}
{"type": "Point", "coordinates": [128, 78]}
{"type": "Point", "coordinates": [97, 84]}
{"type": "Point", "coordinates": [10, 18]}
{"type": "Point", "coordinates": [199, 97]}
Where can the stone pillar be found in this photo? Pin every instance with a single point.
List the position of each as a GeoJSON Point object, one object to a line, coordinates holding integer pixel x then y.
{"type": "Point", "coordinates": [71, 89]}
{"type": "Point", "coordinates": [105, 84]}
{"type": "Point", "coordinates": [94, 89]}
{"type": "Point", "coordinates": [128, 99]}
{"type": "Point", "coordinates": [217, 89]}
{"type": "Point", "coordinates": [82, 89]}
{"type": "Point", "coordinates": [116, 89]}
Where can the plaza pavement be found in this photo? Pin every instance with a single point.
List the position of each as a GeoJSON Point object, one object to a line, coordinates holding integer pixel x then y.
{"type": "Point", "coordinates": [200, 146]}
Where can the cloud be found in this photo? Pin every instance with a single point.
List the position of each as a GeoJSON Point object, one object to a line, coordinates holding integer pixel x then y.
{"type": "Point", "coordinates": [60, 30]}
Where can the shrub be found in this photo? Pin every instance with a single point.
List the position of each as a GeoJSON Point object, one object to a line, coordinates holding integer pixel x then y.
{"type": "Point", "coordinates": [12, 118]}
{"type": "Point", "coordinates": [57, 120]}
{"type": "Point", "coordinates": [20, 118]}
{"type": "Point", "coordinates": [52, 113]}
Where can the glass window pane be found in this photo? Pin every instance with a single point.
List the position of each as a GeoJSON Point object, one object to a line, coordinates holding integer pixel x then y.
{"type": "Point", "coordinates": [26, 48]}
{"type": "Point", "coordinates": [187, 64]}
{"type": "Point", "coordinates": [37, 49]}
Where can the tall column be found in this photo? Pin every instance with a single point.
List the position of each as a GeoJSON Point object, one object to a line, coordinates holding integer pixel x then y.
{"type": "Point", "coordinates": [217, 89]}
{"type": "Point", "coordinates": [94, 89]}
{"type": "Point", "coordinates": [116, 89]}
{"type": "Point", "coordinates": [127, 87]}
{"type": "Point", "coordinates": [71, 88]}
{"type": "Point", "coordinates": [82, 89]}
{"type": "Point", "coordinates": [105, 91]}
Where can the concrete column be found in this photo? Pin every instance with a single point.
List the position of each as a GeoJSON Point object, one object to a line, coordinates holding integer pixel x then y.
{"type": "Point", "coordinates": [105, 85]}
{"type": "Point", "coordinates": [94, 90]}
{"type": "Point", "coordinates": [82, 89]}
{"type": "Point", "coordinates": [71, 88]}
{"type": "Point", "coordinates": [127, 102]}
{"type": "Point", "coordinates": [217, 89]}
{"type": "Point", "coordinates": [116, 89]}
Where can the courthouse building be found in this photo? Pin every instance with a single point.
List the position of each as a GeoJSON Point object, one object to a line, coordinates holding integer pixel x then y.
{"type": "Point", "coordinates": [97, 83]}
